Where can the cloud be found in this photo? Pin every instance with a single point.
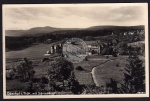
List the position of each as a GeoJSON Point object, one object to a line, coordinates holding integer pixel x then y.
{"type": "Point", "coordinates": [72, 17]}
{"type": "Point", "coordinates": [126, 13]}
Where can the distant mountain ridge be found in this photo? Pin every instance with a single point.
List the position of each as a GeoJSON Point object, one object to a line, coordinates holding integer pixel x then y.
{"type": "Point", "coordinates": [37, 31]}
{"type": "Point", "coordinates": [30, 31]}
{"type": "Point", "coordinates": [115, 27]}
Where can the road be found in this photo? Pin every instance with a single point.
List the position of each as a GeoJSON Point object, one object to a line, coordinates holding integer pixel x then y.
{"type": "Point", "coordinates": [93, 72]}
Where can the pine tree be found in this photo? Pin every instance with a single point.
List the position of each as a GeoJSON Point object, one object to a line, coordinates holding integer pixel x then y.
{"type": "Point", "coordinates": [134, 75]}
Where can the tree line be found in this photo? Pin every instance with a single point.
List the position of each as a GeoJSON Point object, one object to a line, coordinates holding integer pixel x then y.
{"type": "Point", "coordinates": [14, 43]}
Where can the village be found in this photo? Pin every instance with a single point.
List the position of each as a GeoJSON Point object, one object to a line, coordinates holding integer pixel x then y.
{"type": "Point", "coordinates": [94, 47]}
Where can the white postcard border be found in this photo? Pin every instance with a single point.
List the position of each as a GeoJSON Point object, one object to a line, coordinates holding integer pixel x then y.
{"type": "Point", "coordinates": [77, 96]}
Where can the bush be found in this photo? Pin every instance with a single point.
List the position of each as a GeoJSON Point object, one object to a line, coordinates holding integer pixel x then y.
{"type": "Point", "coordinates": [52, 86]}
{"type": "Point", "coordinates": [60, 70]}
{"type": "Point", "coordinates": [112, 85]}
{"type": "Point", "coordinates": [79, 68]}
{"type": "Point", "coordinates": [76, 88]}
{"type": "Point", "coordinates": [29, 87]}
{"type": "Point", "coordinates": [44, 80]}
{"type": "Point", "coordinates": [114, 54]}
{"type": "Point", "coordinates": [24, 71]}
{"type": "Point", "coordinates": [74, 85]}
{"type": "Point", "coordinates": [96, 90]}
{"type": "Point", "coordinates": [34, 87]}
{"type": "Point", "coordinates": [10, 74]}
{"type": "Point", "coordinates": [45, 59]}
{"type": "Point", "coordinates": [35, 80]}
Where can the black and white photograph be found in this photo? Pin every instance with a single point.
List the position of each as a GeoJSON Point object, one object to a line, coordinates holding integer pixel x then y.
{"type": "Point", "coordinates": [75, 50]}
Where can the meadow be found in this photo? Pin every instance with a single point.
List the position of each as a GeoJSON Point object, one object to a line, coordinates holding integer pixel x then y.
{"type": "Point", "coordinates": [106, 66]}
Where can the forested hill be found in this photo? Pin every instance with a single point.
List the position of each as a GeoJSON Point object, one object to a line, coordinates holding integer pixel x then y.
{"type": "Point", "coordinates": [38, 31]}
{"type": "Point", "coordinates": [115, 27]}
{"type": "Point", "coordinates": [31, 31]}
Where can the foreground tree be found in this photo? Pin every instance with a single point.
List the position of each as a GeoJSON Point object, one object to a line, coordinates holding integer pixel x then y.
{"type": "Point", "coordinates": [24, 71]}
{"type": "Point", "coordinates": [74, 85]}
{"type": "Point", "coordinates": [112, 85]}
{"type": "Point", "coordinates": [32, 87]}
{"type": "Point", "coordinates": [60, 70]}
{"type": "Point", "coordinates": [134, 76]}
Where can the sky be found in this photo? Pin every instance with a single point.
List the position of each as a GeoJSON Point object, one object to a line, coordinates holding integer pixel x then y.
{"type": "Point", "coordinates": [72, 16]}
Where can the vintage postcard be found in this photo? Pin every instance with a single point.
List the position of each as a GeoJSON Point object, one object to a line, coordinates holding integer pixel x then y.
{"type": "Point", "coordinates": [75, 50]}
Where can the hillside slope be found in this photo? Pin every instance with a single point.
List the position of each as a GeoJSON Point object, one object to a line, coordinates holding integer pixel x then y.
{"type": "Point", "coordinates": [37, 31]}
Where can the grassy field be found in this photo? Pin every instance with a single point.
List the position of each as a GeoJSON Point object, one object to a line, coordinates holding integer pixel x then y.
{"type": "Point", "coordinates": [110, 70]}
{"type": "Point", "coordinates": [35, 53]}
{"type": "Point", "coordinates": [85, 77]}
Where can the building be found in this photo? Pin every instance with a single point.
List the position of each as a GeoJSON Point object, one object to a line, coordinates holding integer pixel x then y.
{"type": "Point", "coordinates": [94, 48]}
{"type": "Point", "coordinates": [56, 48]}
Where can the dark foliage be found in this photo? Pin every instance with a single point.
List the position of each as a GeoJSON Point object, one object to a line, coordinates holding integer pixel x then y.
{"type": "Point", "coordinates": [34, 87]}
{"type": "Point", "coordinates": [113, 86]}
{"type": "Point", "coordinates": [59, 71]}
{"type": "Point", "coordinates": [92, 89]}
{"type": "Point", "coordinates": [79, 68]}
{"type": "Point", "coordinates": [74, 85]}
{"type": "Point", "coordinates": [134, 77]}
{"type": "Point", "coordinates": [44, 80]}
{"type": "Point", "coordinates": [24, 71]}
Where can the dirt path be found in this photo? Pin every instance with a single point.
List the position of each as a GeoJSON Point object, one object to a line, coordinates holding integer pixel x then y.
{"type": "Point", "coordinates": [93, 72]}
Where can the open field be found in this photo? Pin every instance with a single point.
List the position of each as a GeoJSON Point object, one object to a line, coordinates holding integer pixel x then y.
{"type": "Point", "coordinates": [103, 71]}
{"type": "Point", "coordinates": [85, 76]}
{"type": "Point", "coordinates": [36, 51]}
{"type": "Point", "coordinates": [110, 70]}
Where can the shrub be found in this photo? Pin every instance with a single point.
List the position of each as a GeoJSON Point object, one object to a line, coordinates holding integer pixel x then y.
{"type": "Point", "coordinates": [24, 71]}
{"type": "Point", "coordinates": [74, 85]}
{"type": "Point", "coordinates": [10, 74]}
{"type": "Point", "coordinates": [45, 59]}
{"type": "Point", "coordinates": [79, 68]}
{"type": "Point", "coordinates": [29, 87]}
{"type": "Point", "coordinates": [52, 86]}
{"type": "Point", "coordinates": [76, 88]}
{"type": "Point", "coordinates": [114, 54]}
{"type": "Point", "coordinates": [112, 85]}
{"type": "Point", "coordinates": [34, 87]}
{"type": "Point", "coordinates": [60, 70]}
{"type": "Point", "coordinates": [96, 90]}
{"type": "Point", "coordinates": [44, 80]}
{"type": "Point", "coordinates": [35, 80]}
